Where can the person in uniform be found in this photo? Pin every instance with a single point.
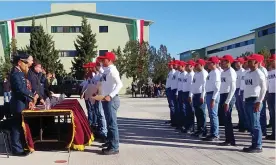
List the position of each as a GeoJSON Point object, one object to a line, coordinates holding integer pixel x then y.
{"type": "Point", "coordinates": [254, 94]}
{"type": "Point", "coordinates": [173, 83]}
{"type": "Point", "coordinates": [19, 101]}
{"type": "Point", "coordinates": [188, 80]}
{"type": "Point", "coordinates": [168, 89]}
{"type": "Point", "coordinates": [271, 94]}
{"type": "Point", "coordinates": [227, 98]}
{"type": "Point", "coordinates": [239, 102]}
{"type": "Point", "coordinates": [198, 98]}
{"type": "Point", "coordinates": [180, 116]}
{"type": "Point", "coordinates": [212, 97]}
{"type": "Point", "coordinates": [111, 85]}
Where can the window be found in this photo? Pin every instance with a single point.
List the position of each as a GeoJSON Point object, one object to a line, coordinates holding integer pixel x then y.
{"type": "Point", "coordinates": [229, 47]}
{"type": "Point", "coordinates": [252, 41]}
{"type": "Point", "coordinates": [25, 29]}
{"type": "Point", "coordinates": [265, 32]}
{"type": "Point", "coordinates": [67, 53]}
{"type": "Point", "coordinates": [271, 30]}
{"type": "Point", "coordinates": [102, 52]}
{"type": "Point", "coordinates": [65, 29]}
{"type": "Point", "coordinates": [237, 45]}
{"type": "Point", "coordinates": [103, 29]}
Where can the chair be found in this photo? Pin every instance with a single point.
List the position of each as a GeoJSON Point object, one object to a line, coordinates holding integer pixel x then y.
{"type": "Point", "coordinates": [3, 131]}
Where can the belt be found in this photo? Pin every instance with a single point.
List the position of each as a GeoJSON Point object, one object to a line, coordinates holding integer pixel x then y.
{"type": "Point", "coordinates": [210, 92]}
{"type": "Point", "coordinates": [251, 98]}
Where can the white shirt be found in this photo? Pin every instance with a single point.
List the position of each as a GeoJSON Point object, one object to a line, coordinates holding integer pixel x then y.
{"type": "Point", "coordinates": [255, 85]}
{"type": "Point", "coordinates": [239, 76]}
{"type": "Point", "coordinates": [264, 70]}
{"type": "Point", "coordinates": [174, 80]}
{"type": "Point", "coordinates": [168, 81]}
{"type": "Point", "coordinates": [188, 80]}
{"type": "Point", "coordinates": [199, 81]}
{"type": "Point", "coordinates": [228, 83]}
{"type": "Point", "coordinates": [111, 82]}
{"type": "Point", "coordinates": [180, 84]}
{"type": "Point", "coordinates": [213, 83]}
{"type": "Point", "coordinates": [242, 80]}
{"type": "Point", "coordinates": [221, 70]}
{"type": "Point", "coordinates": [271, 81]}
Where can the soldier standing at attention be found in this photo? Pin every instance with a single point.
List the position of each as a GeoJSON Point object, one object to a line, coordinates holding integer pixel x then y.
{"type": "Point", "coordinates": [212, 97]}
{"type": "Point", "coordinates": [239, 105]}
{"type": "Point", "coordinates": [188, 80]}
{"type": "Point", "coordinates": [19, 101]}
{"type": "Point", "coordinates": [198, 100]}
{"type": "Point", "coordinates": [111, 85]}
{"type": "Point", "coordinates": [180, 116]}
{"type": "Point", "coordinates": [254, 93]}
{"type": "Point", "coordinates": [227, 98]}
{"type": "Point", "coordinates": [168, 89]}
{"type": "Point", "coordinates": [174, 81]}
{"type": "Point", "coordinates": [271, 94]}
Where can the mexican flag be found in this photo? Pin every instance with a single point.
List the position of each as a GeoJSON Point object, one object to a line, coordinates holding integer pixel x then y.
{"type": "Point", "coordinates": [138, 30]}
{"type": "Point", "coordinates": [9, 28]}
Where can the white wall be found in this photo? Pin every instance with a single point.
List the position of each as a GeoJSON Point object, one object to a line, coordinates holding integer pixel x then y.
{"type": "Point", "coordinates": [235, 52]}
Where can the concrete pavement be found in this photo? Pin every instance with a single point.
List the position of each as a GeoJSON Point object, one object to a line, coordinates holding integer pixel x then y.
{"type": "Point", "coordinates": [146, 140]}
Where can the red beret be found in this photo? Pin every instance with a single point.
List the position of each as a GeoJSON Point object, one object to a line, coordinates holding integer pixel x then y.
{"type": "Point", "coordinates": [200, 62]}
{"type": "Point", "coordinates": [227, 58]}
{"type": "Point", "coordinates": [108, 55]}
{"type": "Point", "coordinates": [255, 57]}
{"type": "Point", "coordinates": [182, 63]}
{"type": "Point", "coordinates": [191, 62]}
{"type": "Point", "coordinates": [241, 60]}
{"type": "Point", "coordinates": [272, 57]}
{"type": "Point", "coordinates": [213, 59]}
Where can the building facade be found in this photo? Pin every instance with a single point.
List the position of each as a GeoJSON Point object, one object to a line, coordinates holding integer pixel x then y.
{"type": "Point", "coordinates": [64, 24]}
{"type": "Point", "coordinates": [253, 42]}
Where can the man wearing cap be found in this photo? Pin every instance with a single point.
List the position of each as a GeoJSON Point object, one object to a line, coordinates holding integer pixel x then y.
{"type": "Point", "coordinates": [198, 98]}
{"type": "Point", "coordinates": [174, 81]}
{"type": "Point", "coordinates": [271, 94]}
{"type": "Point", "coordinates": [263, 110]}
{"type": "Point", "coordinates": [168, 89]}
{"type": "Point", "coordinates": [19, 101]}
{"type": "Point", "coordinates": [254, 93]}
{"type": "Point", "coordinates": [212, 97]}
{"type": "Point", "coordinates": [227, 98]}
{"type": "Point", "coordinates": [111, 86]}
{"type": "Point", "coordinates": [180, 114]}
{"type": "Point", "coordinates": [239, 102]}
{"type": "Point", "coordinates": [188, 79]}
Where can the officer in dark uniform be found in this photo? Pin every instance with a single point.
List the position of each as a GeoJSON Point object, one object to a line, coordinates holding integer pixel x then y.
{"type": "Point", "coordinates": [21, 99]}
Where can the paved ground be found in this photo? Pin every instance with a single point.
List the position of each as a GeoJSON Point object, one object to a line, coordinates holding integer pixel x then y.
{"type": "Point", "coordinates": [146, 140]}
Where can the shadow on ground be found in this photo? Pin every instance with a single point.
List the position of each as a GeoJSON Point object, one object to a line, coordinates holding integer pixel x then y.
{"type": "Point", "coordinates": [155, 132]}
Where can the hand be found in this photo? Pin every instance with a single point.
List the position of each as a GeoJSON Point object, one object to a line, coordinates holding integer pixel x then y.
{"type": "Point", "coordinates": [35, 98]}
{"type": "Point", "coordinates": [31, 105]}
{"type": "Point", "coordinates": [257, 107]}
{"type": "Point", "coordinates": [42, 102]}
{"type": "Point", "coordinates": [107, 98]}
{"type": "Point", "coordinates": [212, 104]}
{"type": "Point", "coordinates": [81, 96]}
{"type": "Point", "coordinates": [226, 107]}
{"type": "Point", "coordinates": [201, 100]}
{"type": "Point", "coordinates": [190, 100]}
{"type": "Point", "coordinates": [51, 93]}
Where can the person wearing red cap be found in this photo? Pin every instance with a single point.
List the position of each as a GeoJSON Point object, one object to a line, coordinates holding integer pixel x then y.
{"type": "Point", "coordinates": [180, 114]}
{"type": "Point", "coordinates": [239, 102]}
{"type": "Point", "coordinates": [189, 113]}
{"type": "Point", "coordinates": [254, 93]}
{"type": "Point", "coordinates": [174, 105]}
{"type": "Point", "coordinates": [168, 89]}
{"type": "Point", "coordinates": [198, 98]}
{"type": "Point", "coordinates": [227, 98]}
{"type": "Point", "coordinates": [271, 94]}
{"type": "Point", "coordinates": [111, 85]}
{"type": "Point", "coordinates": [263, 110]}
{"type": "Point", "coordinates": [212, 87]}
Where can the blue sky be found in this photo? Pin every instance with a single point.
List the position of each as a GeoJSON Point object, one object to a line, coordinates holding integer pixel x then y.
{"type": "Point", "coordinates": [180, 26]}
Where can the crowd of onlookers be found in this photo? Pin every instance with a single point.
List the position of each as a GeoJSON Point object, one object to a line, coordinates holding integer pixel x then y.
{"type": "Point", "coordinates": [150, 90]}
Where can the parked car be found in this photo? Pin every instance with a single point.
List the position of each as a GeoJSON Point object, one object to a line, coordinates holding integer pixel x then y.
{"type": "Point", "coordinates": [71, 87]}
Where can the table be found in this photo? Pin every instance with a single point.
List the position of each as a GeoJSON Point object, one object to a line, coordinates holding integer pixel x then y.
{"type": "Point", "coordinates": [79, 134]}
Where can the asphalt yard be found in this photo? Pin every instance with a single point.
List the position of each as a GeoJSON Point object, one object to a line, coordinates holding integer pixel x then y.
{"type": "Point", "coordinates": [145, 139]}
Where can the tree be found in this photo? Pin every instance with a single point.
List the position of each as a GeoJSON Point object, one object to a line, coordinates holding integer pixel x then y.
{"type": "Point", "coordinates": [42, 47]}
{"type": "Point", "coordinates": [137, 57]}
{"type": "Point", "coordinates": [86, 49]}
{"type": "Point", "coordinates": [5, 63]}
{"type": "Point", "coordinates": [246, 54]}
{"type": "Point", "coordinates": [265, 52]}
{"type": "Point", "coordinates": [120, 61]}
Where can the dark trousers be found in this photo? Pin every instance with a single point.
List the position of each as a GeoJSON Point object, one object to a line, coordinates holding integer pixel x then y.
{"type": "Point", "coordinates": [174, 106]}
{"type": "Point", "coordinates": [240, 109]}
{"type": "Point", "coordinates": [229, 133]}
{"type": "Point", "coordinates": [181, 114]}
{"type": "Point", "coordinates": [189, 112]}
{"type": "Point", "coordinates": [110, 111]}
{"type": "Point", "coordinates": [91, 113]}
{"type": "Point", "coordinates": [271, 103]}
{"type": "Point", "coordinates": [170, 102]}
{"type": "Point", "coordinates": [200, 113]}
{"type": "Point", "coordinates": [244, 113]}
{"type": "Point", "coordinates": [263, 117]}
{"type": "Point", "coordinates": [17, 134]}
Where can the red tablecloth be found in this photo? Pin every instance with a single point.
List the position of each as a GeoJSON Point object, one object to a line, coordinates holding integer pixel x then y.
{"type": "Point", "coordinates": [81, 134]}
